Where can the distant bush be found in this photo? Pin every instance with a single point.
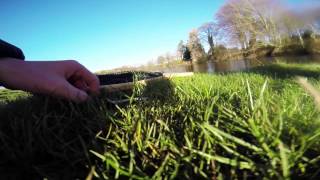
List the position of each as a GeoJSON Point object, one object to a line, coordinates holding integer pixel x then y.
{"type": "Point", "coordinates": [312, 43]}
{"type": "Point", "coordinates": [222, 53]}
{"type": "Point", "coordinates": [259, 50]}
{"type": "Point", "coordinates": [291, 49]}
{"type": "Point", "coordinates": [308, 44]}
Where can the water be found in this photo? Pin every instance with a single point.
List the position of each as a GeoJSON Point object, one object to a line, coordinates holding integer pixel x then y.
{"type": "Point", "coordinates": [236, 65]}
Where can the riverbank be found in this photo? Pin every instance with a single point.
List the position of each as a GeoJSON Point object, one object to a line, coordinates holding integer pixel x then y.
{"type": "Point", "coordinates": [292, 53]}
{"type": "Point", "coordinates": [262, 52]}
{"type": "Point", "coordinates": [150, 67]}
{"type": "Point", "coordinates": [253, 124]}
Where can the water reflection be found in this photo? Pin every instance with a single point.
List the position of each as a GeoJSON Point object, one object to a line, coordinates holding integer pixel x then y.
{"type": "Point", "coordinates": [237, 65]}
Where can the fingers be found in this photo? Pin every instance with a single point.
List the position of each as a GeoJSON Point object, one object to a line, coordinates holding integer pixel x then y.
{"type": "Point", "coordinates": [90, 80]}
{"type": "Point", "coordinates": [50, 78]}
{"type": "Point", "coordinates": [82, 76]}
{"type": "Point", "coordinates": [81, 85]}
{"type": "Point", "coordinates": [72, 93]}
{"type": "Point", "coordinates": [77, 81]}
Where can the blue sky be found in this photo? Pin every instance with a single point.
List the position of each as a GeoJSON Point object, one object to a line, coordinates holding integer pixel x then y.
{"type": "Point", "coordinates": [102, 34]}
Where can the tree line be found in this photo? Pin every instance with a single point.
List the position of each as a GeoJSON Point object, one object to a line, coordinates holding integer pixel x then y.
{"type": "Point", "coordinates": [254, 28]}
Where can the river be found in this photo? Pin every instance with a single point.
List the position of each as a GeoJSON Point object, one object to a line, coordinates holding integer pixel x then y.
{"type": "Point", "coordinates": [235, 65]}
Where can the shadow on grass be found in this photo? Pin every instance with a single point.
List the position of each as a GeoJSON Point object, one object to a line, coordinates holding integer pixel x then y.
{"type": "Point", "coordinates": [161, 89]}
{"type": "Point", "coordinates": [45, 137]}
{"type": "Point", "coordinates": [288, 70]}
{"type": "Point", "coordinates": [161, 93]}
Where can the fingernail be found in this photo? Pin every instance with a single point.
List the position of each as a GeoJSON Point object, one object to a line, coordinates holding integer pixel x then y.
{"type": "Point", "coordinates": [83, 96]}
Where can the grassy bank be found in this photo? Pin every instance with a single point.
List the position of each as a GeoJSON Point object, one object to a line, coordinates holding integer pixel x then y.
{"type": "Point", "coordinates": [149, 67]}
{"type": "Point", "coordinates": [241, 125]}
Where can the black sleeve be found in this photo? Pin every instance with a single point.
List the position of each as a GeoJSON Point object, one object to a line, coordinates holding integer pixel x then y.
{"type": "Point", "coordinates": [9, 50]}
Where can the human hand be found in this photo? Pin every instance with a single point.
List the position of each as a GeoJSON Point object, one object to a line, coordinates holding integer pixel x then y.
{"type": "Point", "coordinates": [65, 79]}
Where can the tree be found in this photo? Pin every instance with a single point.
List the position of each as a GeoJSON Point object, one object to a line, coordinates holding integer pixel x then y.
{"type": "Point", "coordinates": [151, 62]}
{"type": "Point", "coordinates": [247, 21]}
{"type": "Point", "coordinates": [292, 26]}
{"type": "Point", "coordinates": [180, 50]}
{"type": "Point", "coordinates": [169, 57]}
{"type": "Point", "coordinates": [230, 21]}
{"type": "Point", "coordinates": [186, 54]}
{"type": "Point", "coordinates": [208, 33]}
{"type": "Point", "coordinates": [161, 60]}
{"type": "Point", "coordinates": [195, 46]}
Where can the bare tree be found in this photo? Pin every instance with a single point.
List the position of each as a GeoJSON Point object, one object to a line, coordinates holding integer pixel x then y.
{"type": "Point", "coordinates": [208, 33]}
{"type": "Point", "coordinates": [195, 46]}
{"type": "Point", "coordinates": [169, 57]}
{"type": "Point", "coordinates": [161, 60]}
{"type": "Point", "coordinates": [247, 21]}
{"type": "Point", "coordinates": [230, 21]}
{"type": "Point", "coordinates": [180, 50]}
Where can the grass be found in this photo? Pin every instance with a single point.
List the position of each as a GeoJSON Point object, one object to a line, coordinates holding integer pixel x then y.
{"type": "Point", "coordinates": [11, 95]}
{"type": "Point", "coordinates": [246, 125]}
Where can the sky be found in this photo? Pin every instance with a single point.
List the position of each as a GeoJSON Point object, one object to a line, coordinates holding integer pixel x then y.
{"type": "Point", "coordinates": [103, 34]}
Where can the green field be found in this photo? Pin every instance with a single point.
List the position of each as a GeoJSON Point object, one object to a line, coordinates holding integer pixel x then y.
{"type": "Point", "coordinates": [245, 125]}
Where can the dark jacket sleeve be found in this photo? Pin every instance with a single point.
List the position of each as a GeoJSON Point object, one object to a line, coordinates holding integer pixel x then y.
{"type": "Point", "coordinates": [9, 50]}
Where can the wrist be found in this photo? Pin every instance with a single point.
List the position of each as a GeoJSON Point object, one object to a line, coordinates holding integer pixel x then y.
{"type": "Point", "coordinates": [7, 68]}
